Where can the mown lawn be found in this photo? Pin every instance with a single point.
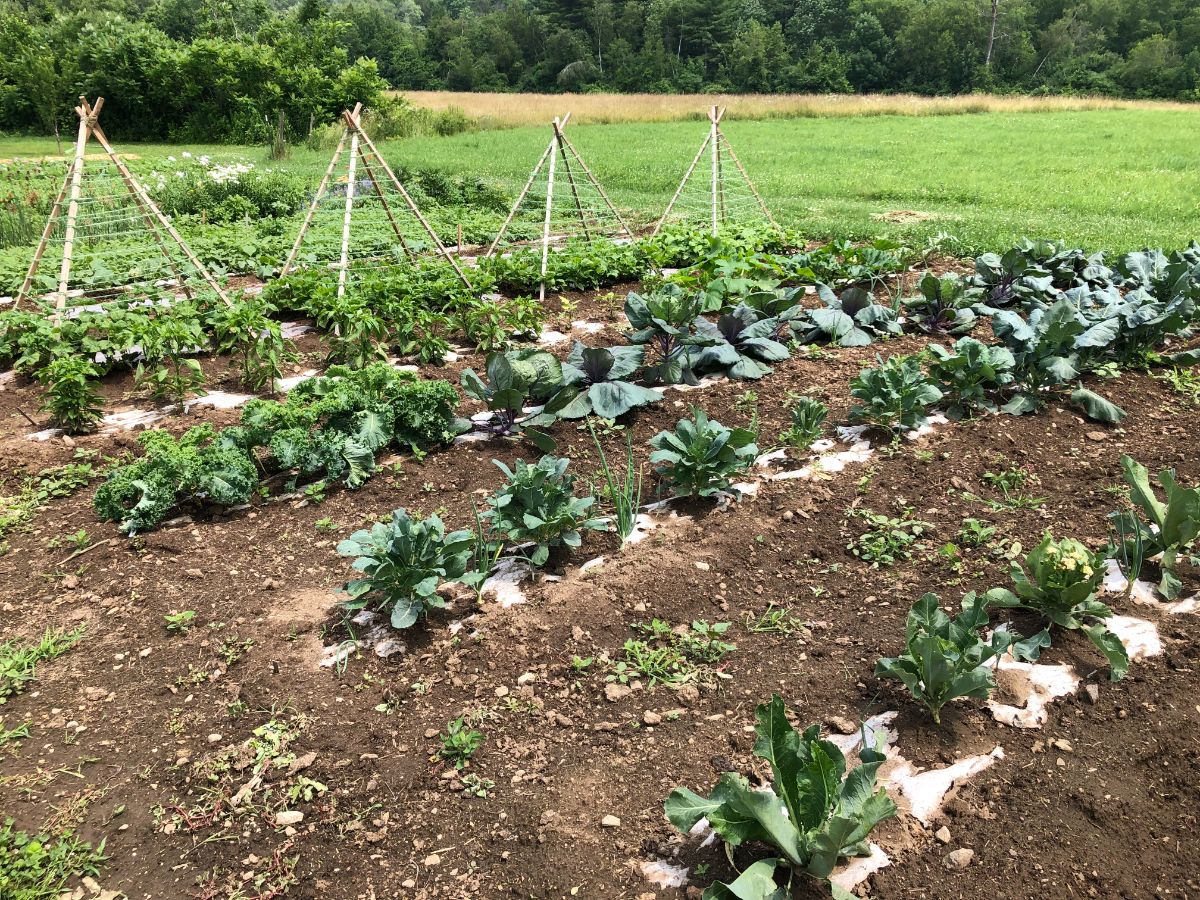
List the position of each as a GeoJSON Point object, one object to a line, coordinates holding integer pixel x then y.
{"type": "Point", "coordinates": [1103, 179]}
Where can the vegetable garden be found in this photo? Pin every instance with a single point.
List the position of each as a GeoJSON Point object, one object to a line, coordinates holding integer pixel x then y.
{"type": "Point", "coordinates": [738, 566]}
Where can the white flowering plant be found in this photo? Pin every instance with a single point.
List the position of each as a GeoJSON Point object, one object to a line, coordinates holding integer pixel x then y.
{"type": "Point", "coordinates": [1061, 584]}
{"type": "Point", "coordinates": [229, 191]}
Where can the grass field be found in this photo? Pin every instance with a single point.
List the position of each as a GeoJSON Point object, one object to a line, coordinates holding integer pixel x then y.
{"type": "Point", "coordinates": [1114, 179]}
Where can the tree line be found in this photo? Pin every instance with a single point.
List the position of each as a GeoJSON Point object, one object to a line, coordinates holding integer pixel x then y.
{"type": "Point", "coordinates": [223, 69]}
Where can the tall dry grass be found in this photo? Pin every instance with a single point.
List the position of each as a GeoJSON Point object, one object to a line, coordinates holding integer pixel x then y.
{"type": "Point", "coordinates": [504, 110]}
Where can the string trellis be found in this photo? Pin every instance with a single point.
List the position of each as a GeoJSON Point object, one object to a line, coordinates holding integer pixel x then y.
{"type": "Point", "coordinates": [105, 240]}
{"type": "Point", "coordinates": [716, 189]}
{"type": "Point", "coordinates": [563, 200]}
{"type": "Point", "coordinates": [362, 217]}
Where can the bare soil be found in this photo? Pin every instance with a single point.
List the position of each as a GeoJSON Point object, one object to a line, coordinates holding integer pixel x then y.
{"type": "Point", "coordinates": [164, 716]}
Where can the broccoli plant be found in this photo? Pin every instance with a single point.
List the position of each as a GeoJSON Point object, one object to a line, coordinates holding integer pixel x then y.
{"type": "Point", "coordinates": [1172, 528]}
{"type": "Point", "coordinates": [946, 658]}
{"type": "Point", "coordinates": [403, 562]}
{"type": "Point", "coordinates": [1061, 586]}
{"type": "Point", "coordinates": [812, 815]}
{"type": "Point", "coordinates": [969, 373]}
{"type": "Point", "coordinates": [700, 458]}
{"type": "Point", "coordinates": [894, 394]}
{"type": "Point", "coordinates": [538, 506]}
{"type": "Point", "coordinates": [599, 375]}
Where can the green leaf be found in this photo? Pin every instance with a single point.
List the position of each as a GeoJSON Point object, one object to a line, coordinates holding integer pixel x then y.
{"type": "Point", "coordinates": [1096, 407]}
{"type": "Point", "coordinates": [1113, 649]}
{"type": "Point", "coordinates": [756, 883]}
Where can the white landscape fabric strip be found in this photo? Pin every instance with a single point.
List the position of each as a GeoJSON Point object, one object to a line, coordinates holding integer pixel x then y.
{"type": "Point", "coordinates": [1033, 686]}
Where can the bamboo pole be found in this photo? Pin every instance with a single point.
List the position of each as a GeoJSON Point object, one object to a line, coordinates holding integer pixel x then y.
{"type": "Point", "coordinates": [587, 236]}
{"type": "Point", "coordinates": [148, 201]}
{"type": "Point", "coordinates": [714, 144]}
{"type": "Point", "coordinates": [411, 204]}
{"type": "Point", "coordinates": [750, 184]}
{"type": "Point", "coordinates": [682, 184]}
{"type": "Point", "coordinates": [36, 262]}
{"type": "Point", "coordinates": [558, 136]}
{"type": "Point", "coordinates": [321, 188]}
{"type": "Point", "coordinates": [597, 186]}
{"type": "Point", "coordinates": [64, 270]}
{"type": "Point", "coordinates": [521, 197]}
{"type": "Point", "coordinates": [344, 265]}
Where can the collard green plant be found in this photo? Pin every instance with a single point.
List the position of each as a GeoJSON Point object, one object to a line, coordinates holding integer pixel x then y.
{"type": "Point", "coordinates": [812, 815]}
{"type": "Point", "coordinates": [538, 506]}
{"type": "Point", "coordinates": [701, 457]}
{"type": "Point", "coordinates": [1061, 584]}
{"type": "Point", "coordinates": [402, 563]}
{"type": "Point", "coordinates": [969, 374]}
{"type": "Point", "coordinates": [600, 375]}
{"type": "Point", "coordinates": [71, 398]}
{"type": "Point", "coordinates": [893, 395]}
{"type": "Point", "coordinates": [947, 658]}
{"type": "Point", "coordinates": [1171, 528]}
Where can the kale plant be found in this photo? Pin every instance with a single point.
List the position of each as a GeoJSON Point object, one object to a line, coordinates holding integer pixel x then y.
{"type": "Point", "coordinates": [402, 562]}
{"type": "Point", "coordinates": [849, 319]}
{"type": "Point", "coordinates": [700, 458]}
{"type": "Point", "coordinates": [812, 815]}
{"type": "Point", "coordinates": [808, 416]}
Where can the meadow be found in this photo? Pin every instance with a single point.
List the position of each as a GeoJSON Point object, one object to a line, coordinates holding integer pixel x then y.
{"type": "Point", "coordinates": [1117, 179]}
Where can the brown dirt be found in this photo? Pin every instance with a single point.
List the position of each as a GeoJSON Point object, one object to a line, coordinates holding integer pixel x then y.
{"type": "Point", "coordinates": [1115, 817]}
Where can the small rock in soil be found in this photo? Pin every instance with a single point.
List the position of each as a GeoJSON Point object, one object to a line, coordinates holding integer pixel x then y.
{"type": "Point", "coordinates": [959, 859]}
{"type": "Point", "coordinates": [943, 834]}
{"type": "Point", "coordinates": [610, 821]}
{"type": "Point", "coordinates": [432, 860]}
{"type": "Point", "coordinates": [841, 725]}
{"type": "Point", "coordinates": [289, 817]}
{"type": "Point", "coordinates": [1093, 693]}
{"type": "Point", "coordinates": [615, 691]}
{"type": "Point", "coordinates": [651, 718]}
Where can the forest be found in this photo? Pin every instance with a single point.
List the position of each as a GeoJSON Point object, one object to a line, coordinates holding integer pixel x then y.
{"type": "Point", "coordinates": [217, 70]}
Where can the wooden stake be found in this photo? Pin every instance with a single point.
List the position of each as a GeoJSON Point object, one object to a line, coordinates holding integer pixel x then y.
{"type": "Point", "coordinates": [549, 206]}
{"type": "Point", "coordinates": [714, 142]}
{"type": "Point", "coordinates": [64, 271]}
{"type": "Point", "coordinates": [312, 209]}
{"type": "Point", "coordinates": [345, 262]}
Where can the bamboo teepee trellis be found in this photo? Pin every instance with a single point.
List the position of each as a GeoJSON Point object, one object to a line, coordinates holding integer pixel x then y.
{"type": "Point", "coordinates": [362, 151]}
{"type": "Point", "coordinates": [589, 209]}
{"type": "Point", "coordinates": [145, 213]}
{"type": "Point", "coordinates": [720, 202]}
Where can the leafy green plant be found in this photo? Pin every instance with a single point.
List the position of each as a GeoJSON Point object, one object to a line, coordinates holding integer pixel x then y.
{"type": "Point", "coordinates": [179, 622]}
{"type": "Point", "coordinates": [1171, 528]}
{"type": "Point", "coordinates": [812, 815]}
{"type": "Point", "coordinates": [246, 331]}
{"type": "Point", "coordinates": [808, 416]}
{"type": "Point", "coordinates": [167, 370]}
{"type": "Point", "coordinates": [969, 374]}
{"type": "Point", "coordinates": [19, 659]}
{"type": "Point", "coordinates": [947, 658]}
{"type": "Point", "coordinates": [459, 743]}
{"type": "Point", "coordinates": [849, 319]}
{"type": "Point", "coordinates": [402, 562]}
{"type": "Point", "coordinates": [887, 540]}
{"type": "Point", "coordinates": [975, 533]}
{"type": "Point", "coordinates": [71, 399]}
{"type": "Point", "coordinates": [538, 505]}
{"type": "Point", "coordinates": [700, 458]}
{"type": "Point", "coordinates": [741, 343]}
{"type": "Point", "coordinates": [600, 376]}
{"type": "Point", "coordinates": [665, 321]}
{"type": "Point", "coordinates": [38, 867]}
{"type": "Point", "coordinates": [942, 306]}
{"type": "Point", "coordinates": [672, 655]}
{"type": "Point", "coordinates": [893, 395]}
{"type": "Point", "coordinates": [515, 380]}
{"type": "Point", "coordinates": [1061, 586]}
